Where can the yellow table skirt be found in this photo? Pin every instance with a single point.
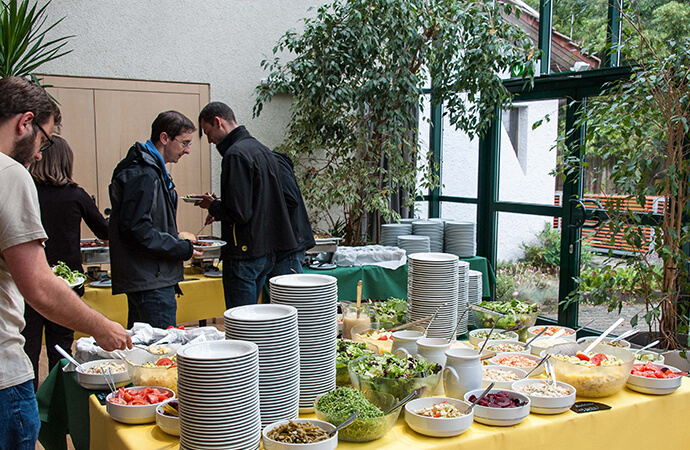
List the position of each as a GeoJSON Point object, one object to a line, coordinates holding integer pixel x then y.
{"type": "Point", "coordinates": [635, 421]}
{"type": "Point", "coordinates": [202, 299]}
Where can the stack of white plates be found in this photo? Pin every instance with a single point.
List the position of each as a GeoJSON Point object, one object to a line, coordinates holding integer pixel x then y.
{"type": "Point", "coordinates": [463, 293]}
{"type": "Point", "coordinates": [433, 229]}
{"type": "Point", "coordinates": [408, 220]}
{"type": "Point", "coordinates": [218, 388]}
{"type": "Point", "coordinates": [474, 295]}
{"type": "Point", "coordinates": [432, 285]}
{"type": "Point", "coordinates": [414, 244]}
{"type": "Point", "coordinates": [461, 239]}
{"type": "Point", "coordinates": [273, 328]}
{"type": "Point", "coordinates": [391, 231]}
{"type": "Point", "coordinates": [316, 298]}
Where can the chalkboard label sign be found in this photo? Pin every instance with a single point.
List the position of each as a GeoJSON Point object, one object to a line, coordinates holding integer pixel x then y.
{"type": "Point", "coordinates": [585, 407]}
{"type": "Point", "coordinates": [101, 396]}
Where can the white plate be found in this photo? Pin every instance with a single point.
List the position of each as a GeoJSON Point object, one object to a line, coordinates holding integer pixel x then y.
{"type": "Point", "coordinates": [260, 313]}
{"type": "Point", "coordinates": [78, 282]}
{"type": "Point", "coordinates": [218, 350]}
{"type": "Point", "coordinates": [215, 243]}
{"type": "Point", "coordinates": [191, 199]}
{"type": "Point", "coordinates": [303, 280]}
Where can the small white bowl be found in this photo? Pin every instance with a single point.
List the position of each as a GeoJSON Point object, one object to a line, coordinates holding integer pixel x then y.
{"type": "Point", "coordinates": [135, 414]}
{"type": "Point", "coordinates": [533, 331]}
{"type": "Point", "coordinates": [542, 343]}
{"type": "Point", "coordinates": [500, 417]}
{"type": "Point", "coordinates": [548, 405]}
{"type": "Point", "coordinates": [474, 340]}
{"type": "Point", "coordinates": [655, 386]}
{"type": "Point", "coordinates": [487, 351]}
{"type": "Point", "coordinates": [96, 381]}
{"type": "Point", "coordinates": [589, 339]}
{"type": "Point", "coordinates": [535, 373]}
{"type": "Point", "coordinates": [169, 424]}
{"type": "Point", "coordinates": [507, 385]}
{"type": "Point", "coordinates": [433, 426]}
{"type": "Point", "coordinates": [328, 444]}
{"type": "Point", "coordinates": [658, 357]}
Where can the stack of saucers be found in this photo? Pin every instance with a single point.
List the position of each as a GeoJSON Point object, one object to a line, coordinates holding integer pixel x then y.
{"type": "Point", "coordinates": [432, 285]}
{"type": "Point", "coordinates": [316, 298]}
{"type": "Point", "coordinates": [218, 388]}
{"type": "Point", "coordinates": [414, 244]}
{"type": "Point", "coordinates": [433, 229]}
{"type": "Point", "coordinates": [460, 239]}
{"type": "Point", "coordinates": [474, 295]}
{"type": "Point", "coordinates": [463, 292]}
{"type": "Point", "coordinates": [391, 231]}
{"type": "Point", "coordinates": [273, 328]}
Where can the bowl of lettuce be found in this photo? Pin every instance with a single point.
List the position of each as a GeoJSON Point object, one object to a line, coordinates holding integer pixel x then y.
{"type": "Point", "coordinates": [394, 375]}
{"type": "Point", "coordinates": [347, 351]}
{"type": "Point", "coordinates": [372, 423]}
{"type": "Point", "coordinates": [514, 315]}
{"type": "Point", "coordinates": [393, 310]}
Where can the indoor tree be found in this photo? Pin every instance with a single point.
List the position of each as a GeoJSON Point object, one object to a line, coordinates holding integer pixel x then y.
{"type": "Point", "coordinates": [356, 75]}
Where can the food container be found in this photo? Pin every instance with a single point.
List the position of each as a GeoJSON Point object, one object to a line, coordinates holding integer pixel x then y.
{"type": "Point", "coordinates": [364, 429]}
{"type": "Point", "coordinates": [135, 414]}
{"type": "Point", "coordinates": [168, 423]}
{"type": "Point", "coordinates": [328, 444]}
{"type": "Point", "coordinates": [399, 388]}
{"type": "Point", "coordinates": [359, 334]}
{"type": "Point", "coordinates": [150, 376]}
{"type": "Point", "coordinates": [436, 426]}
{"type": "Point", "coordinates": [514, 322]}
{"type": "Point", "coordinates": [342, 375]}
{"type": "Point", "coordinates": [488, 350]}
{"type": "Point", "coordinates": [547, 405]}
{"type": "Point", "coordinates": [477, 339]}
{"type": "Point", "coordinates": [351, 319]}
{"type": "Point", "coordinates": [500, 417]}
{"type": "Point", "coordinates": [542, 343]}
{"type": "Point", "coordinates": [618, 344]}
{"type": "Point", "coordinates": [97, 382]}
{"type": "Point", "coordinates": [648, 356]}
{"type": "Point", "coordinates": [655, 386]}
{"type": "Point", "coordinates": [550, 331]}
{"type": "Point", "coordinates": [495, 361]}
{"type": "Point", "coordinates": [592, 381]}
{"type": "Point", "coordinates": [498, 384]}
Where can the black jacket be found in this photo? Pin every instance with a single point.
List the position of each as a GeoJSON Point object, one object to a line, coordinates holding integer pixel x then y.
{"type": "Point", "coordinates": [145, 251]}
{"type": "Point", "coordinates": [295, 203]}
{"type": "Point", "coordinates": [252, 210]}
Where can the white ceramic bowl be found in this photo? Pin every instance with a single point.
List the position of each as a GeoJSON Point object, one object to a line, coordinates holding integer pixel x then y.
{"type": "Point", "coordinates": [135, 414]}
{"type": "Point", "coordinates": [507, 385]}
{"type": "Point", "coordinates": [542, 343]}
{"type": "Point", "coordinates": [500, 417]}
{"type": "Point", "coordinates": [535, 373]}
{"type": "Point", "coordinates": [623, 343]}
{"type": "Point", "coordinates": [328, 444]}
{"type": "Point", "coordinates": [437, 427]}
{"type": "Point", "coordinates": [489, 351]}
{"type": "Point", "coordinates": [658, 357]}
{"type": "Point", "coordinates": [533, 331]}
{"type": "Point", "coordinates": [96, 381]}
{"type": "Point", "coordinates": [169, 424]}
{"type": "Point", "coordinates": [547, 405]}
{"type": "Point", "coordinates": [655, 386]}
{"type": "Point", "coordinates": [474, 340]}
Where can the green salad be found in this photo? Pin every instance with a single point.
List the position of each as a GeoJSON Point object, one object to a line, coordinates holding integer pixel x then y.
{"type": "Point", "coordinates": [347, 351]}
{"type": "Point", "coordinates": [392, 310]}
{"type": "Point", "coordinates": [518, 314]}
{"type": "Point", "coordinates": [338, 405]}
{"type": "Point", "coordinates": [63, 271]}
{"type": "Point", "coordinates": [394, 375]}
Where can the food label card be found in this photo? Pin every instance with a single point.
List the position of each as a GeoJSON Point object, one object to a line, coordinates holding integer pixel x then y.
{"type": "Point", "coordinates": [586, 407]}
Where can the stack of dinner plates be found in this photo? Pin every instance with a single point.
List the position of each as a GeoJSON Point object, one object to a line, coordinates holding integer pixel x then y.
{"type": "Point", "coordinates": [461, 239]}
{"type": "Point", "coordinates": [432, 285]}
{"type": "Point", "coordinates": [463, 293]}
{"type": "Point", "coordinates": [273, 328]}
{"type": "Point", "coordinates": [316, 298]}
{"type": "Point", "coordinates": [410, 220]}
{"type": "Point", "coordinates": [433, 229]}
{"type": "Point", "coordinates": [218, 390]}
{"type": "Point", "coordinates": [391, 231]}
{"type": "Point", "coordinates": [474, 295]}
{"type": "Point", "coordinates": [414, 244]}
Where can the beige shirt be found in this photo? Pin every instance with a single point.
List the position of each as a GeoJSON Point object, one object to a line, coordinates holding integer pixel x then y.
{"type": "Point", "coordinates": [20, 222]}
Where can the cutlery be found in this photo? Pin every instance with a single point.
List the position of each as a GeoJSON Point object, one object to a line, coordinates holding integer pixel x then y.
{"type": "Point", "coordinates": [481, 396]}
{"type": "Point", "coordinates": [488, 336]}
{"type": "Point", "coordinates": [454, 335]}
{"type": "Point", "coordinates": [345, 423]}
{"type": "Point", "coordinates": [585, 325]}
{"type": "Point", "coordinates": [627, 334]}
{"type": "Point", "coordinates": [433, 317]}
{"type": "Point", "coordinates": [652, 344]}
{"type": "Point", "coordinates": [409, 397]}
{"type": "Point", "coordinates": [598, 340]}
{"type": "Point", "coordinates": [110, 381]}
{"type": "Point", "coordinates": [408, 325]}
{"type": "Point", "coordinates": [538, 334]}
{"type": "Point", "coordinates": [543, 360]}
{"type": "Point", "coordinates": [69, 357]}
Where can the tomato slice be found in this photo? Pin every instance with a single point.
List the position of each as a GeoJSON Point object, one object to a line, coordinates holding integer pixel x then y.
{"type": "Point", "coordinates": [137, 401]}
{"type": "Point", "coordinates": [117, 400]}
{"type": "Point", "coordinates": [598, 359]}
{"type": "Point", "coordinates": [164, 362]}
{"type": "Point", "coordinates": [582, 356]}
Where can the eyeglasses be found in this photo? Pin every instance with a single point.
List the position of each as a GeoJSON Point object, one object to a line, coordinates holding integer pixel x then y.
{"type": "Point", "coordinates": [47, 144]}
{"type": "Point", "coordinates": [183, 144]}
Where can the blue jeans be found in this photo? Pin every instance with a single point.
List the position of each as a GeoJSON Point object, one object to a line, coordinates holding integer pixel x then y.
{"type": "Point", "coordinates": [243, 280]}
{"type": "Point", "coordinates": [19, 422]}
{"type": "Point", "coordinates": [287, 264]}
{"type": "Point", "coordinates": [157, 307]}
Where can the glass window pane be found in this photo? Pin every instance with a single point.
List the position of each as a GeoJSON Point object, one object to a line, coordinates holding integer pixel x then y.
{"type": "Point", "coordinates": [460, 163]}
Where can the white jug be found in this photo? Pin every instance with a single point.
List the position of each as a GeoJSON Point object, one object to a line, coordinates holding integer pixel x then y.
{"type": "Point", "coordinates": [433, 349]}
{"type": "Point", "coordinates": [405, 341]}
{"type": "Point", "coordinates": [463, 372]}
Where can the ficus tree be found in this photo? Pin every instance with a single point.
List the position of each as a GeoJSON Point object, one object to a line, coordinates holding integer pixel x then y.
{"type": "Point", "coordinates": [358, 74]}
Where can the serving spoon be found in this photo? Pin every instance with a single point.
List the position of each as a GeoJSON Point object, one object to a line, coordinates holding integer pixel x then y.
{"type": "Point", "coordinates": [345, 423]}
{"type": "Point", "coordinates": [491, 332]}
{"type": "Point", "coordinates": [407, 398]}
{"type": "Point", "coordinates": [538, 334]}
{"type": "Point", "coordinates": [481, 396]}
{"type": "Point", "coordinates": [627, 334]}
{"type": "Point", "coordinates": [69, 357]}
{"type": "Point", "coordinates": [598, 340]}
{"type": "Point", "coordinates": [538, 365]}
{"type": "Point", "coordinates": [652, 344]}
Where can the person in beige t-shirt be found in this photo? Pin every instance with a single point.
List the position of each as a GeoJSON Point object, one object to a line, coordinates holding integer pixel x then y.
{"type": "Point", "coordinates": [27, 119]}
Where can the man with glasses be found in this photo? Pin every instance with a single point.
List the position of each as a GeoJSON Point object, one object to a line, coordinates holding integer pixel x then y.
{"type": "Point", "coordinates": [146, 253]}
{"type": "Point", "coordinates": [27, 119]}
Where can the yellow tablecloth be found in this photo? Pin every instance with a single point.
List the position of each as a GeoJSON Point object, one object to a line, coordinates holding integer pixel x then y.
{"type": "Point", "coordinates": [202, 299]}
{"type": "Point", "coordinates": [635, 421]}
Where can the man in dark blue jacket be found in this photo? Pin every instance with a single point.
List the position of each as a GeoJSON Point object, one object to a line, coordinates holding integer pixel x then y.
{"type": "Point", "coordinates": [146, 254]}
{"type": "Point", "coordinates": [254, 216]}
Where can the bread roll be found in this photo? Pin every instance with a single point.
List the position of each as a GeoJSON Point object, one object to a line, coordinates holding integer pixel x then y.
{"type": "Point", "coordinates": [188, 236]}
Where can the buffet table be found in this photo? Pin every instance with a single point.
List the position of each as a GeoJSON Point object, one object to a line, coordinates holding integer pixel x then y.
{"type": "Point", "coordinates": [635, 421]}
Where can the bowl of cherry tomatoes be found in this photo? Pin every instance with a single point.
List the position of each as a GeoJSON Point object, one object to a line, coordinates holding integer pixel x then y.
{"type": "Point", "coordinates": [654, 378]}
{"type": "Point", "coordinates": [137, 404]}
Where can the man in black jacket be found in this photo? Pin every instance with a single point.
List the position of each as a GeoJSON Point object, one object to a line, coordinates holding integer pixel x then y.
{"type": "Point", "coordinates": [252, 210]}
{"type": "Point", "coordinates": [146, 254]}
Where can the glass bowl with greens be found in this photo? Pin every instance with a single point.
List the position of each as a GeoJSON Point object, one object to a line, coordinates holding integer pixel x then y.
{"type": "Point", "coordinates": [393, 310]}
{"type": "Point", "coordinates": [394, 375]}
{"type": "Point", "coordinates": [336, 406]}
{"type": "Point", "coordinates": [347, 351]}
{"type": "Point", "coordinates": [519, 315]}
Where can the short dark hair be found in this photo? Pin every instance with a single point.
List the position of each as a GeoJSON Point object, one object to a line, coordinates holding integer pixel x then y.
{"type": "Point", "coordinates": [18, 96]}
{"type": "Point", "coordinates": [173, 123]}
{"type": "Point", "coordinates": [216, 109]}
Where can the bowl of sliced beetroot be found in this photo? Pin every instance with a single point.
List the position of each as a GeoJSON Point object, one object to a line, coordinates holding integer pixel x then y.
{"type": "Point", "coordinates": [655, 379]}
{"type": "Point", "coordinates": [499, 407]}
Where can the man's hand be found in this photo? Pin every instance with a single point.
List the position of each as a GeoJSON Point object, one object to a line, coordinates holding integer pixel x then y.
{"type": "Point", "coordinates": [209, 220]}
{"type": "Point", "coordinates": [113, 337]}
{"type": "Point", "coordinates": [197, 253]}
{"type": "Point", "coordinates": [206, 200]}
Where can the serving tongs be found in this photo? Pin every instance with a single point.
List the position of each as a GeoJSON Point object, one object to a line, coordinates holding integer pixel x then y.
{"type": "Point", "coordinates": [110, 381]}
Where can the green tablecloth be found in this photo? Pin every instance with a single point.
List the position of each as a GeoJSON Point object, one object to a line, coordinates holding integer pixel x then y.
{"type": "Point", "coordinates": [380, 283]}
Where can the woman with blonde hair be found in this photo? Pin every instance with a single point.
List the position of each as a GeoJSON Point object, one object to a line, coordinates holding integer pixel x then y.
{"type": "Point", "coordinates": [63, 206]}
